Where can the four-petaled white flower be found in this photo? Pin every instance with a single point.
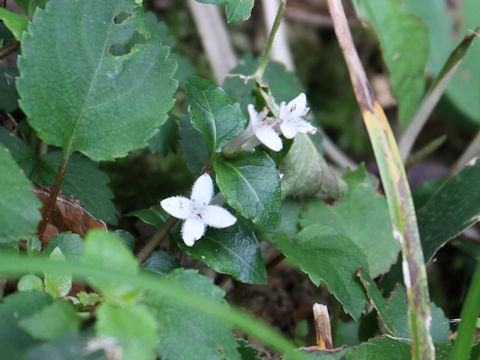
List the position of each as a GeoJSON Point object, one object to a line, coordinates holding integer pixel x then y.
{"type": "Point", "coordinates": [263, 128]}
{"type": "Point", "coordinates": [197, 211]}
{"type": "Point", "coordinates": [291, 117]}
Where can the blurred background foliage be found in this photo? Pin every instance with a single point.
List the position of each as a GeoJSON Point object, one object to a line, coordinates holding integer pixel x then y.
{"type": "Point", "coordinates": [144, 177]}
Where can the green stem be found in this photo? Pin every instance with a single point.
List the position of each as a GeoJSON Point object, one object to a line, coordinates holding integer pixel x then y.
{"type": "Point", "coordinates": [14, 265]}
{"type": "Point", "coordinates": [470, 313]}
{"type": "Point", "coordinates": [55, 191]}
{"type": "Point", "coordinates": [261, 69]}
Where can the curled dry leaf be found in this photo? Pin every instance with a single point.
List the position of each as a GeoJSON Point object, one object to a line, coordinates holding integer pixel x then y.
{"type": "Point", "coordinates": [68, 215]}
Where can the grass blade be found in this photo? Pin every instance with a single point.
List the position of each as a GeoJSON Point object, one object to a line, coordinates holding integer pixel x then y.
{"type": "Point", "coordinates": [470, 313]}
{"type": "Point", "coordinates": [400, 204]}
{"type": "Point", "coordinates": [15, 265]}
{"type": "Point", "coordinates": [433, 96]}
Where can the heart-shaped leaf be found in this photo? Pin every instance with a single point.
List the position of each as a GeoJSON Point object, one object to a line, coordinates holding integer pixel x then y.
{"type": "Point", "coordinates": [362, 215]}
{"type": "Point", "coordinates": [328, 256]}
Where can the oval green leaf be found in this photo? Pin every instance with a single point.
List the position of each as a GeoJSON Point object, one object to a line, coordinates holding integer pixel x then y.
{"type": "Point", "coordinates": [214, 113]}
{"type": "Point", "coordinates": [251, 185]}
{"type": "Point", "coordinates": [234, 250]}
{"type": "Point", "coordinates": [101, 86]}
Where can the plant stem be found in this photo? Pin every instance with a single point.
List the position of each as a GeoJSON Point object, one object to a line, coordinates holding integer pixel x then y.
{"type": "Point", "coordinates": [10, 48]}
{"type": "Point", "coordinates": [397, 191]}
{"type": "Point", "coordinates": [470, 313]}
{"type": "Point", "coordinates": [261, 69]}
{"type": "Point", "coordinates": [156, 239]}
{"type": "Point", "coordinates": [55, 191]}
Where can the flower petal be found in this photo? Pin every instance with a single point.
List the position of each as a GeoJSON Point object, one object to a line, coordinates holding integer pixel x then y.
{"type": "Point", "coordinates": [298, 105]}
{"type": "Point", "coordinates": [269, 137]}
{"type": "Point", "coordinates": [284, 113]}
{"type": "Point", "coordinates": [254, 120]}
{"type": "Point", "coordinates": [192, 230]}
{"type": "Point", "coordinates": [202, 191]}
{"type": "Point", "coordinates": [289, 129]}
{"type": "Point", "coordinates": [178, 206]}
{"type": "Point", "coordinates": [217, 217]}
{"type": "Point", "coordinates": [306, 128]}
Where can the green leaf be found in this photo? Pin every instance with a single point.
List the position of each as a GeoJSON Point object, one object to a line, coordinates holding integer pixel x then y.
{"type": "Point", "coordinates": [397, 308]}
{"type": "Point", "coordinates": [52, 321]}
{"type": "Point", "coordinates": [29, 283]}
{"type": "Point", "coordinates": [238, 10]}
{"type": "Point", "coordinates": [283, 84]}
{"type": "Point", "coordinates": [211, 1]}
{"type": "Point", "coordinates": [6, 36]}
{"type": "Point", "coordinates": [23, 154]}
{"type": "Point", "coordinates": [186, 334]}
{"type": "Point", "coordinates": [16, 23]}
{"type": "Point", "coordinates": [288, 222]}
{"type": "Point", "coordinates": [158, 28]}
{"type": "Point", "coordinates": [254, 197]}
{"type": "Point", "coordinates": [234, 250]}
{"type": "Point", "coordinates": [57, 284]}
{"type": "Point", "coordinates": [73, 346]}
{"type": "Point", "coordinates": [71, 245]}
{"type": "Point", "coordinates": [83, 179]}
{"type": "Point", "coordinates": [445, 31]}
{"type": "Point", "coordinates": [108, 250]}
{"type": "Point", "coordinates": [214, 113]}
{"type": "Point", "coordinates": [111, 104]}
{"type": "Point", "coordinates": [405, 59]}
{"type": "Point", "coordinates": [305, 172]}
{"type": "Point", "coordinates": [19, 213]}
{"type": "Point", "coordinates": [329, 256]}
{"type": "Point", "coordinates": [8, 92]}
{"type": "Point", "coordinates": [127, 238]}
{"type": "Point", "coordinates": [25, 304]}
{"type": "Point", "coordinates": [454, 208]}
{"type": "Point", "coordinates": [180, 293]}
{"type": "Point", "coordinates": [194, 152]}
{"type": "Point", "coordinates": [155, 216]}
{"type": "Point", "coordinates": [185, 69]}
{"type": "Point", "coordinates": [377, 300]}
{"type": "Point", "coordinates": [380, 349]}
{"type": "Point", "coordinates": [362, 215]}
{"type": "Point", "coordinates": [29, 6]}
{"type": "Point", "coordinates": [133, 326]}
{"type": "Point", "coordinates": [165, 139]}
{"type": "Point", "coordinates": [161, 262]}
{"type": "Point", "coordinates": [247, 351]}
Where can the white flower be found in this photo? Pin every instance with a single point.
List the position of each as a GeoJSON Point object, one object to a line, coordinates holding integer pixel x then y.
{"type": "Point", "coordinates": [291, 117]}
{"type": "Point", "coordinates": [263, 128]}
{"type": "Point", "coordinates": [197, 212]}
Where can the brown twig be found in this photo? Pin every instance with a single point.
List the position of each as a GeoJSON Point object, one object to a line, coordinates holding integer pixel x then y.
{"type": "Point", "coordinates": [62, 168]}
{"type": "Point", "coordinates": [10, 48]}
{"type": "Point", "coordinates": [156, 239]}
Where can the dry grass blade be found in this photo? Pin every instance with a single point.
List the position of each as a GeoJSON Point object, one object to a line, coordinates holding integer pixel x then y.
{"type": "Point", "coordinates": [402, 212]}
